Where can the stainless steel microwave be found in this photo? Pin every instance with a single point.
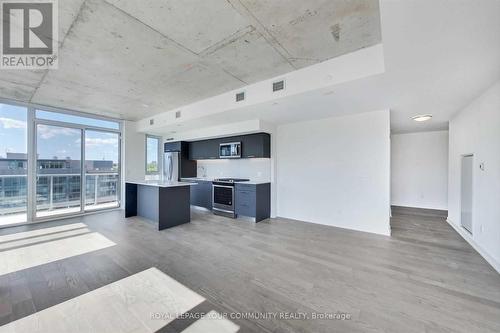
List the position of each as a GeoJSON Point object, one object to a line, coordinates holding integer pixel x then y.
{"type": "Point", "coordinates": [230, 150]}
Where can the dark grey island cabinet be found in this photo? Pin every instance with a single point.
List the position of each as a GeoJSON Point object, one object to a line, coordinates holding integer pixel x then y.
{"type": "Point", "coordinates": [253, 200]}
{"type": "Point", "coordinates": [165, 203]}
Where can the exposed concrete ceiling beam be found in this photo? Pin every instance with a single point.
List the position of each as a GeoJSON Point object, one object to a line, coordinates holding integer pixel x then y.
{"type": "Point", "coordinates": [245, 12]}
{"type": "Point", "coordinates": [179, 44]}
{"type": "Point", "coordinates": [61, 45]}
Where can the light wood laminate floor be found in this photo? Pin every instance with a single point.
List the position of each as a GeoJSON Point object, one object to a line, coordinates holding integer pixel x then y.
{"type": "Point", "coordinates": [425, 278]}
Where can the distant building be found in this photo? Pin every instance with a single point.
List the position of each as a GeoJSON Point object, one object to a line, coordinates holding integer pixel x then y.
{"type": "Point", "coordinates": [58, 182]}
{"type": "Point", "coordinates": [17, 164]}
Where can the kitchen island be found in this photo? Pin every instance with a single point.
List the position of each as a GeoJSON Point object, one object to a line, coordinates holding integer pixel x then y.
{"type": "Point", "coordinates": [165, 203]}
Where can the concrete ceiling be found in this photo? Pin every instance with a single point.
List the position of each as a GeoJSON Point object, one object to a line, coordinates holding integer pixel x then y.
{"type": "Point", "coordinates": [132, 59]}
{"type": "Point", "coordinates": [439, 56]}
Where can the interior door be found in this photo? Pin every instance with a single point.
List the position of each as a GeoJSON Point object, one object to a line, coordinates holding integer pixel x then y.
{"type": "Point", "coordinates": [466, 192]}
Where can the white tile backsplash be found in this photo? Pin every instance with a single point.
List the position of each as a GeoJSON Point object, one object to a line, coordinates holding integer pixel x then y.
{"type": "Point", "coordinates": [256, 169]}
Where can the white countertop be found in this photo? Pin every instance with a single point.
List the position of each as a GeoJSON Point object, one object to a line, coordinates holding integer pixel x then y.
{"type": "Point", "coordinates": [209, 179]}
{"type": "Point", "coordinates": [157, 183]}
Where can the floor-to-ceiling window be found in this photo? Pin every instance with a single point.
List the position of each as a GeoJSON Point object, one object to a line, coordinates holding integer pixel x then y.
{"type": "Point", "coordinates": [84, 162]}
{"type": "Point", "coordinates": [13, 164]}
{"type": "Point", "coordinates": [73, 166]}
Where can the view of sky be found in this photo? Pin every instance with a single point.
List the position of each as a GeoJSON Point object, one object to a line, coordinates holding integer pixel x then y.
{"type": "Point", "coordinates": [13, 135]}
{"type": "Point", "coordinates": [152, 154]}
{"type": "Point", "coordinates": [54, 140]}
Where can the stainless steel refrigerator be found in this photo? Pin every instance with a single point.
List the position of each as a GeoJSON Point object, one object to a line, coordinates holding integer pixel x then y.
{"type": "Point", "coordinates": [171, 164]}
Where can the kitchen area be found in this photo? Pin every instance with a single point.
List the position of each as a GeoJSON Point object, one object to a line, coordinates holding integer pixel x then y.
{"type": "Point", "coordinates": [227, 176]}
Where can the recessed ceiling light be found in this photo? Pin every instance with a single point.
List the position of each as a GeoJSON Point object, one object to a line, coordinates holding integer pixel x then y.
{"type": "Point", "coordinates": [422, 117]}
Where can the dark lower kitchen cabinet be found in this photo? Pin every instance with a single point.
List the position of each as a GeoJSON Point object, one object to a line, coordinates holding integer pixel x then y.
{"type": "Point", "coordinates": [256, 146]}
{"type": "Point", "coordinates": [201, 194]}
{"type": "Point", "coordinates": [253, 200]}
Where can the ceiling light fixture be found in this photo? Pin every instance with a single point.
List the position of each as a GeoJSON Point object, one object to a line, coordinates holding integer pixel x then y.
{"type": "Point", "coordinates": [422, 117]}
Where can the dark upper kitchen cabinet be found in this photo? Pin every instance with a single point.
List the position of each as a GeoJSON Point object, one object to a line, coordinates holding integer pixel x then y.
{"type": "Point", "coordinates": [188, 167]}
{"type": "Point", "coordinates": [174, 146]}
{"type": "Point", "coordinates": [252, 146]}
{"type": "Point", "coordinates": [256, 145]}
{"type": "Point", "coordinates": [204, 150]}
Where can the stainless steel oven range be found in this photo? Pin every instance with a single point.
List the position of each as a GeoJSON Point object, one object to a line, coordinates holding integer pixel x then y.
{"type": "Point", "coordinates": [223, 196]}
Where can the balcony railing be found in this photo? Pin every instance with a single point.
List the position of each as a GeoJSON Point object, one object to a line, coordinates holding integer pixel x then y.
{"type": "Point", "coordinates": [57, 191]}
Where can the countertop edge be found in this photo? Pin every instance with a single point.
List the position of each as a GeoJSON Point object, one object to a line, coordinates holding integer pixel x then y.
{"type": "Point", "coordinates": [179, 184]}
{"type": "Point", "coordinates": [251, 182]}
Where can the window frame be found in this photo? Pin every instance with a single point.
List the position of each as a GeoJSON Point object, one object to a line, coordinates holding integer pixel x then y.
{"type": "Point", "coordinates": [32, 122]}
{"type": "Point", "coordinates": [159, 152]}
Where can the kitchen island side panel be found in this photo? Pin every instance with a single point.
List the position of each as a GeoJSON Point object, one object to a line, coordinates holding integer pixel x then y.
{"type": "Point", "coordinates": [130, 200]}
{"type": "Point", "coordinates": [147, 202]}
{"type": "Point", "coordinates": [174, 206]}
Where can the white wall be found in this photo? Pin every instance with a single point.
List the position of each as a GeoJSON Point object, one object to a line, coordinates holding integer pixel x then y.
{"type": "Point", "coordinates": [336, 171]}
{"type": "Point", "coordinates": [476, 130]}
{"type": "Point", "coordinates": [257, 169]}
{"type": "Point", "coordinates": [419, 170]}
{"type": "Point", "coordinates": [135, 154]}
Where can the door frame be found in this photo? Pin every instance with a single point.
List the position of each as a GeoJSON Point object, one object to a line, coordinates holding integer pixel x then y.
{"type": "Point", "coordinates": [472, 192]}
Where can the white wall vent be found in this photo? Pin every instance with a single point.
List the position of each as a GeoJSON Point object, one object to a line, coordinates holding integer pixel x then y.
{"type": "Point", "coordinates": [278, 85]}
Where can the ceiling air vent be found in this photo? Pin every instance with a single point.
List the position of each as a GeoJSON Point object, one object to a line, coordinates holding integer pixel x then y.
{"type": "Point", "coordinates": [278, 85]}
{"type": "Point", "coordinates": [240, 96]}
{"type": "Point", "coordinates": [177, 114]}
{"type": "Point", "coordinates": [151, 121]}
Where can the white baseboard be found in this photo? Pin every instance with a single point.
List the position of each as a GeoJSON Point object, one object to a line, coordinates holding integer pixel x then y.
{"type": "Point", "coordinates": [465, 235]}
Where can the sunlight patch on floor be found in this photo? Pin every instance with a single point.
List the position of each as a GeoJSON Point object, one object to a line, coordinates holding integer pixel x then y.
{"type": "Point", "coordinates": [39, 232]}
{"type": "Point", "coordinates": [127, 305]}
{"type": "Point", "coordinates": [37, 247]}
{"type": "Point", "coordinates": [42, 239]}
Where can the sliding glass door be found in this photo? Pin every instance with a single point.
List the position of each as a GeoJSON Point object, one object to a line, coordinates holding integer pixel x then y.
{"type": "Point", "coordinates": [59, 170]}
{"type": "Point", "coordinates": [13, 164]}
{"type": "Point", "coordinates": [102, 177]}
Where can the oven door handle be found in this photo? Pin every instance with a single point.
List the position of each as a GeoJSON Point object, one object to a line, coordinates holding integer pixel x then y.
{"type": "Point", "coordinates": [225, 186]}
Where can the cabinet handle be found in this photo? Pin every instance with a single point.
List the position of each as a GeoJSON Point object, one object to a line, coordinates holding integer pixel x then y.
{"type": "Point", "coordinates": [251, 156]}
